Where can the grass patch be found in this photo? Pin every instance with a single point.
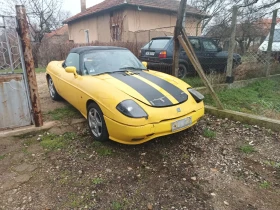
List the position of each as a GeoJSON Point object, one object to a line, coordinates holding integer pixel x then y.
{"type": "Point", "coordinates": [104, 152]}
{"type": "Point", "coordinates": [247, 149]}
{"type": "Point", "coordinates": [2, 157]}
{"type": "Point", "coordinates": [117, 205]}
{"type": "Point", "coordinates": [25, 151]}
{"type": "Point", "coordinates": [40, 70]}
{"type": "Point", "coordinates": [209, 133]}
{"type": "Point", "coordinates": [194, 81]}
{"type": "Point", "coordinates": [29, 142]}
{"type": "Point", "coordinates": [54, 142]}
{"type": "Point", "coordinates": [247, 126]}
{"type": "Point", "coordinates": [273, 164]}
{"type": "Point", "coordinates": [97, 181]}
{"type": "Point", "coordinates": [78, 201]}
{"type": "Point", "coordinates": [260, 97]}
{"type": "Point", "coordinates": [265, 185]}
{"type": "Point", "coordinates": [64, 113]}
{"type": "Point", "coordinates": [101, 149]}
{"type": "Point", "coordinates": [37, 70]}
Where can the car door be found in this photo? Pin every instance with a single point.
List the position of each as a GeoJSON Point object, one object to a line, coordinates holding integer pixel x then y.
{"type": "Point", "coordinates": [69, 83]}
{"type": "Point", "coordinates": [197, 49]}
{"type": "Point", "coordinates": [195, 42]}
{"type": "Point", "coordinates": [209, 56]}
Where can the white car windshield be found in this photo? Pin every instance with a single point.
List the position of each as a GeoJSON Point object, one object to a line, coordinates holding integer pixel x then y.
{"type": "Point", "coordinates": [109, 61]}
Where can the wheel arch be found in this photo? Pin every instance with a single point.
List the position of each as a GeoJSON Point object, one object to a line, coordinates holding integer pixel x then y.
{"type": "Point", "coordinates": [182, 61]}
{"type": "Point", "coordinates": [89, 101]}
{"type": "Point", "coordinates": [47, 76]}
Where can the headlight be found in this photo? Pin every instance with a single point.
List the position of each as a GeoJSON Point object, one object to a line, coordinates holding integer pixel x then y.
{"type": "Point", "coordinates": [197, 95]}
{"type": "Point", "coordinates": [131, 109]}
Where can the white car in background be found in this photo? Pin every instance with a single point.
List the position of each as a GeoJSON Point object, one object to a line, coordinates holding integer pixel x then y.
{"type": "Point", "coordinates": [275, 43]}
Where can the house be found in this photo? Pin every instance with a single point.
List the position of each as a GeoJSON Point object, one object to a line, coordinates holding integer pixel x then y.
{"type": "Point", "coordinates": [130, 20]}
{"type": "Point", "coordinates": [57, 36]}
{"type": "Point", "coordinates": [53, 46]}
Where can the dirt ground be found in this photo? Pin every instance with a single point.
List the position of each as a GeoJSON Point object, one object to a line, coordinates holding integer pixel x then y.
{"type": "Point", "coordinates": [218, 164]}
{"type": "Point", "coordinates": [47, 104]}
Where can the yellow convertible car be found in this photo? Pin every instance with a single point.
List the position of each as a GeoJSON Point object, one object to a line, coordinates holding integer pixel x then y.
{"type": "Point", "coordinates": [121, 99]}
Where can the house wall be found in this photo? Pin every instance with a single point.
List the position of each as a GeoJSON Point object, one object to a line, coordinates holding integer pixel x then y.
{"type": "Point", "coordinates": [137, 25]}
{"type": "Point", "coordinates": [146, 24]}
{"type": "Point", "coordinates": [98, 27]}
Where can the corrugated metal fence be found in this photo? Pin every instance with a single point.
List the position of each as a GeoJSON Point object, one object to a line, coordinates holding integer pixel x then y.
{"type": "Point", "coordinates": [15, 106]}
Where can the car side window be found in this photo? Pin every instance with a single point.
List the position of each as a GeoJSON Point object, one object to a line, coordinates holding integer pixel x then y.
{"type": "Point", "coordinates": [73, 59]}
{"type": "Point", "coordinates": [208, 45]}
{"type": "Point", "coordinates": [195, 44]}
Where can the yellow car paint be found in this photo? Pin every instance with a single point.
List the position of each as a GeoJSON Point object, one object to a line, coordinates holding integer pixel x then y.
{"type": "Point", "coordinates": [108, 92]}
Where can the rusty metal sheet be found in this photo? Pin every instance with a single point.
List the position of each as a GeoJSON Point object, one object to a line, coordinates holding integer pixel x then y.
{"type": "Point", "coordinates": [14, 107]}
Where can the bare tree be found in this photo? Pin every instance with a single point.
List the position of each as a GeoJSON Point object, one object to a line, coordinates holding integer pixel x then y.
{"type": "Point", "coordinates": [250, 26]}
{"type": "Point", "coordinates": [221, 10]}
{"type": "Point", "coordinates": [210, 7]}
{"type": "Point", "coordinates": [43, 16]}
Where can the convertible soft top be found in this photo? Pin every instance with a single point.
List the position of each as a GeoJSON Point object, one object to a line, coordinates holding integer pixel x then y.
{"type": "Point", "coordinates": [81, 50]}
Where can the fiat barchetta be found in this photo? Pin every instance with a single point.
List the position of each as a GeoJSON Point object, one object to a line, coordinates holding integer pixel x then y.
{"type": "Point", "coordinates": [120, 97]}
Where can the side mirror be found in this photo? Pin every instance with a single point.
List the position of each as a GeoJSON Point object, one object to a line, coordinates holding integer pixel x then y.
{"type": "Point", "coordinates": [71, 69]}
{"type": "Point", "coordinates": [220, 49]}
{"type": "Point", "coordinates": [145, 64]}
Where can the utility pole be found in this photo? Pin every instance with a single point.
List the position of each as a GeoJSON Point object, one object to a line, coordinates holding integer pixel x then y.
{"type": "Point", "coordinates": [177, 31]}
{"type": "Point", "coordinates": [230, 78]}
{"type": "Point", "coordinates": [23, 32]}
{"type": "Point", "coordinates": [270, 41]}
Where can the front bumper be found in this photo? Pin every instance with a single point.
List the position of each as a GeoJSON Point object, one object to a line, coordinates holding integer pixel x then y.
{"type": "Point", "coordinates": [126, 134]}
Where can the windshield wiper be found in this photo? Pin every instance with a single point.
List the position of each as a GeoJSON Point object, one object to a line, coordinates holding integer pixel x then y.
{"type": "Point", "coordinates": [124, 69]}
{"type": "Point", "coordinates": [109, 72]}
{"type": "Point", "coordinates": [133, 68]}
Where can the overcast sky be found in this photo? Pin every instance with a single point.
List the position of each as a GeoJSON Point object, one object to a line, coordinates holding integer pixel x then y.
{"type": "Point", "coordinates": [74, 6]}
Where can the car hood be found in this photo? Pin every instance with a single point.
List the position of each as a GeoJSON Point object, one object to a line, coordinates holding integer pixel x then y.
{"type": "Point", "coordinates": [147, 87]}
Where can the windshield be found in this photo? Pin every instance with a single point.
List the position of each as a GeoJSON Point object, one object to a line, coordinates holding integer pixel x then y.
{"type": "Point", "coordinates": [157, 44]}
{"type": "Point", "coordinates": [103, 61]}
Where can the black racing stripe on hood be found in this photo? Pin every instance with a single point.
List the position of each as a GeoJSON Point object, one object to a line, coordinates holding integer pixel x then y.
{"type": "Point", "coordinates": [151, 94]}
{"type": "Point", "coordinates": [176, 92]}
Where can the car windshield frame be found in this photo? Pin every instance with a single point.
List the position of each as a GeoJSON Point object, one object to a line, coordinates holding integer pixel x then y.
{"type": "Point", "coordinates": [106, 61]}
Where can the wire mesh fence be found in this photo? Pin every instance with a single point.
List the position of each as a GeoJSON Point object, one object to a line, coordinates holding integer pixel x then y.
{"type": "Point", "coordinates": [250, 59]}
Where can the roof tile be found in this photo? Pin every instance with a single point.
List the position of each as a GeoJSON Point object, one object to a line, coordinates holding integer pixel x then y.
{"type": "Point", "coordinates": [171, 5]}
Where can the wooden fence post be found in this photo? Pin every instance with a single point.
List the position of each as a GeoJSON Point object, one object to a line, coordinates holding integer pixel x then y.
{"type": "Point", "coordinates": [29, 64]}
{"type": "Point", "coordinates": [270, 41]}
{"type": "Point", "coordinates": [184, 41]}
{"type": "Point", "coordinates": [229, 73]}
{"type": "Point", "coordinates": [177, 31]}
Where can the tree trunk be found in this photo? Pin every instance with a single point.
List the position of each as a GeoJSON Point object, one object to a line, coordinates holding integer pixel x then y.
{"type": "Point", "coordinates": [241, 45]}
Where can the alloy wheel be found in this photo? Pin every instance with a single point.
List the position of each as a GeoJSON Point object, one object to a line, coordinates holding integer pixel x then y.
{"type": "Point", "coordinates": [95, 122]}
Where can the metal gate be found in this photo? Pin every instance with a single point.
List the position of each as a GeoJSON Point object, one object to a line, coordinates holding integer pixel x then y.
{"type": "Point", "coordinates": [15, 105]}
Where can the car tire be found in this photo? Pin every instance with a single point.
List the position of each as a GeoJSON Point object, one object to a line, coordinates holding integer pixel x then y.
{"type": "Point", "coordinates": [96, 123]}
{"type": "Point", "coordinates": [52, 90]}
{"type": "Point", "coordinates": [182, 71]}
